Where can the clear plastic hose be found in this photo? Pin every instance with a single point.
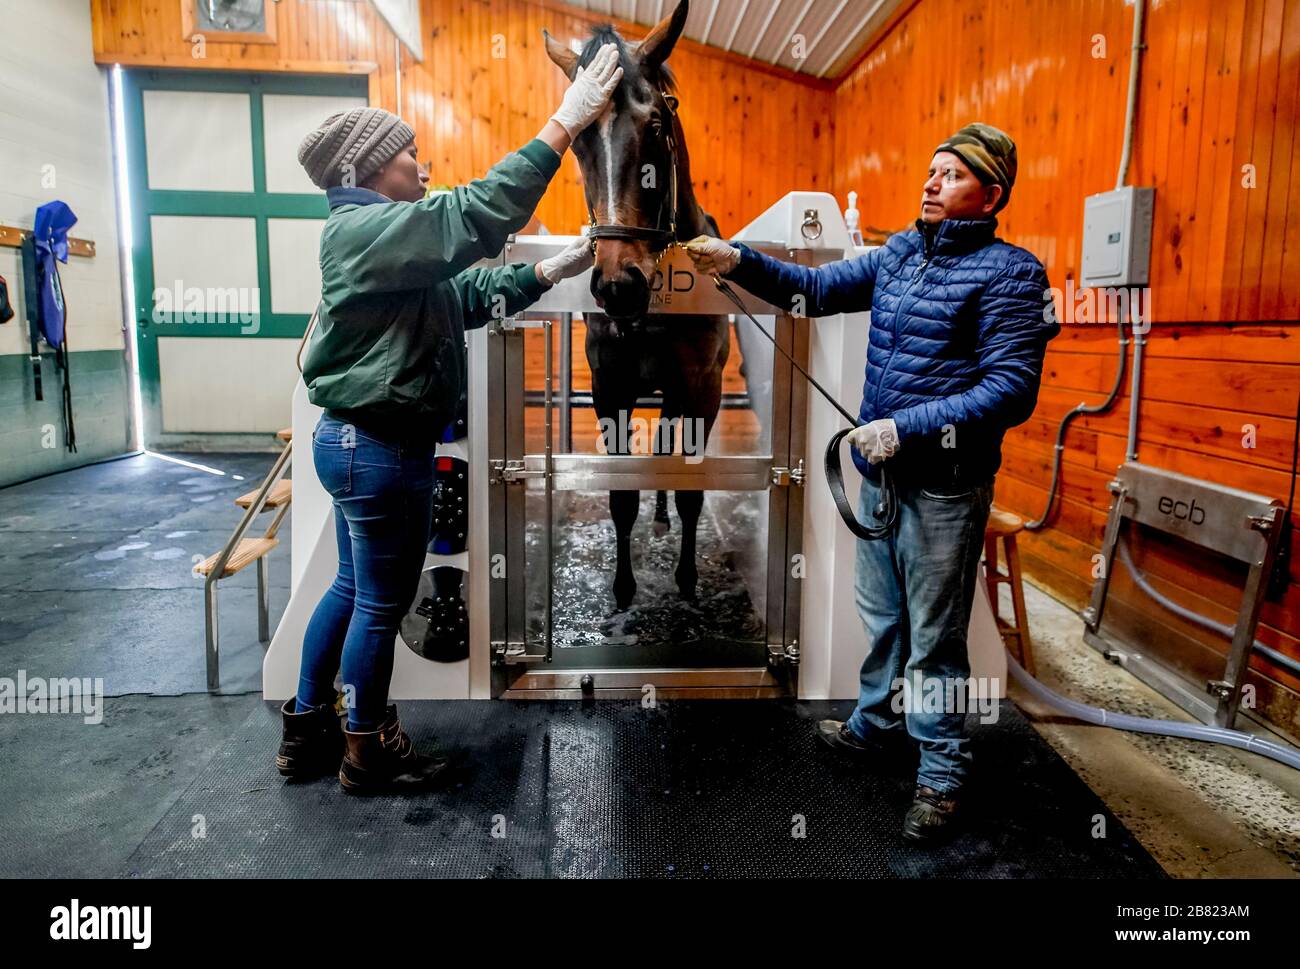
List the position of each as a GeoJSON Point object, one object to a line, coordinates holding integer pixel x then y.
{"type": "Point", "coordinates": [1168, 728]}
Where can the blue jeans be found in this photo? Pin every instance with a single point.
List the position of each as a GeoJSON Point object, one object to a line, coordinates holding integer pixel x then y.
{"type": "Point", "coordinates": [914, 591]}
{"type": "Point", "coordinates": [382, 491]}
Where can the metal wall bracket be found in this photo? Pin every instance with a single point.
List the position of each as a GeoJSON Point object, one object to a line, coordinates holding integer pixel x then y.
{"type": "Point", "coordinates": [1220, 689]}
{"type": "Point", "coordinates": [784, 477]}
{"type": "Point", "coordinates": [1260, 523]}
{"type": "Point", "coordinates": [783, 655]}
{"type": "Point", "coordinates": [511, 472]}
{"type": "Point", "coordinates": [1234, 523]}
{"type": "Point", "coordinates": [512, 324]}
{"type": "Point", "coordinates": [513, 653]}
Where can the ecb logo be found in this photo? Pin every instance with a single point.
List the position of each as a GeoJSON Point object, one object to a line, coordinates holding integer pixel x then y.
{"type": "Point", "coordinates": [1181, 510]}
{"type": "Point", "coordinates": [667, 283]}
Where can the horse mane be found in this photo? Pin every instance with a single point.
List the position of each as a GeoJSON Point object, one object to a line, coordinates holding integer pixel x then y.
{"type": "Point", "coordinates": [661, 77]}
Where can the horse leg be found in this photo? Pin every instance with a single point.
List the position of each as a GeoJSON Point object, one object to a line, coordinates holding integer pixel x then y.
{"type": "Point", "coordinates": [662, 523]}
{"type": "Point", "coordinates": [615, 400]}
{"type": "Point", "coordinates": [688, 504]}
{"type": "Point", "coordinates": [700, 401]}
{"type": "Point", "coordinates": [624, 506]}
{"type": "Point", "coordinates": [664, 442]}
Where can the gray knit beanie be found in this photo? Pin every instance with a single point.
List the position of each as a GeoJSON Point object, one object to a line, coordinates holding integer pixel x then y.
{"type": "Point", "coordinates": [357, 142]}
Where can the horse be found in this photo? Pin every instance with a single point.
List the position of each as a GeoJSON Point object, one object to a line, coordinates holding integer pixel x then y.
{"type": "Point", "coordinates": [637, 181]}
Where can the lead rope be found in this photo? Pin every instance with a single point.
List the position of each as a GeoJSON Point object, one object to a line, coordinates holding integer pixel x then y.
{"type": "Point", "coordinates": [886, 510]}
{"type": "Point", "coordinates": [311, 325]}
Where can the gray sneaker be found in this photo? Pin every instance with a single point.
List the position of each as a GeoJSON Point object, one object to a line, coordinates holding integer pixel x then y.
{"type": "Point", "coordinates": [837, 735]}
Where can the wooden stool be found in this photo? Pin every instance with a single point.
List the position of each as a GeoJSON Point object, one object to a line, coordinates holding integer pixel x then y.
{"type": "Point", "coordinates": [1004, 525]}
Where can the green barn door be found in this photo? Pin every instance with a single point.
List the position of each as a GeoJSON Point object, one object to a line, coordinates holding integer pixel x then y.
{"type": "Point", "coordinates": [225, 232]}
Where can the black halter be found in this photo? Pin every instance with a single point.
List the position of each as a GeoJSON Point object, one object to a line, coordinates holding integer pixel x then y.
{"type": "Point", "coordinates": [658, 237]}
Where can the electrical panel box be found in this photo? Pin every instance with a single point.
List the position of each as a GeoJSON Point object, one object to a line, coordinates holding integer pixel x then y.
{"type": "Point", "coordinates": [1117, 237]}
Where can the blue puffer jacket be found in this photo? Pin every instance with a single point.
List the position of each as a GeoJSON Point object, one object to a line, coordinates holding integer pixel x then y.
{"type": "Point", "coordinates": [958, 332]}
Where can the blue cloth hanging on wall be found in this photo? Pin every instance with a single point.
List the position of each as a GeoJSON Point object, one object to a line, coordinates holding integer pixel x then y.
{"type": "Point", "coordinates": [43, 250]}
{"type": "Point", "coordinates": [53, 220]}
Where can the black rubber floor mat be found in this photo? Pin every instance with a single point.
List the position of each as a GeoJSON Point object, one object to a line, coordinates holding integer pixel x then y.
{"type": "Point", "coordinates": [688, 789]}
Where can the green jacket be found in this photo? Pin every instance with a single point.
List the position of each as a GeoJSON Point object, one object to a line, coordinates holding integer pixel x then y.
{"type": "Point", "coordinates": [397, 294]}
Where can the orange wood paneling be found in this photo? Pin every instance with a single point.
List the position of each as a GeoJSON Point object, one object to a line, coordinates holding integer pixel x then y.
{"type": "Point", "coordinates": [1220, 87]}
{"type": "Point", "coordinates": [321, 36]}
{"type": "Point", "coordinates": [1219, 91]}
{"type": "Point", "coordinates": [470, 107]}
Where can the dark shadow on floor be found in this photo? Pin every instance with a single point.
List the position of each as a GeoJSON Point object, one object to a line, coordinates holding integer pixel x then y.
{"type": "Point", "coordinates": [610, 789]}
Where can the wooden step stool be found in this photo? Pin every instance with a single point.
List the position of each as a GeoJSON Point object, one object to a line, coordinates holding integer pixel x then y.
{"type": "Point", "coordinates": [281, 494]}
{"type": "Point", "coordinates": [275, 494]}
{"type": "Point", "coordinates": [1004, 526]}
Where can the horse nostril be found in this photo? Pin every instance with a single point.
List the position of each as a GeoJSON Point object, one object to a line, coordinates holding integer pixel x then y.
{"type": "Point", "coordinates": [624, 295]}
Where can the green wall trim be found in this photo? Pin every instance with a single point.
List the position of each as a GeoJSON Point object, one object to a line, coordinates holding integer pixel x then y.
{"type": "Point", "coordinates": [100, 399]}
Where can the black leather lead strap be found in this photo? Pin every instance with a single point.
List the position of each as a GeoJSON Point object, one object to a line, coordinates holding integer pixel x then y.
{"type": "Point", "coordinates": [658, 238]}
{"type": "Point", "coordinates": [32, 297]}
{"type": "Point", "coordinates": [887, 510]}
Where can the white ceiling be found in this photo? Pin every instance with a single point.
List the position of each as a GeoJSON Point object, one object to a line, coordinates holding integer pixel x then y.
{"type": "Point", "coordinates": [834, 31]}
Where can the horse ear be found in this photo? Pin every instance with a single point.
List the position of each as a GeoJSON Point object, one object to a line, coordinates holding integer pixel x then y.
{"type": "Point", "coordinates": [659, 43]}
{"type": "Point", "coordinates": [565, 58]}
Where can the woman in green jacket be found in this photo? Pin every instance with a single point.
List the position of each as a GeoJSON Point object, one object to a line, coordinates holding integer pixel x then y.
{"type": "Point", "coordinates": [385, 363]}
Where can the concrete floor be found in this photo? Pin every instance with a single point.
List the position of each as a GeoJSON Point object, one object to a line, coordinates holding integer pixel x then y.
{"type": "Point", "coordinates": [87, 579]}
{"type": "Point", "coordinates": [1202, 810]}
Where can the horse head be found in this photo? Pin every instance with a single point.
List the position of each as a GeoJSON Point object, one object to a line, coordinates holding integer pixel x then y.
{"type": "Point", "coordinates": [630, 160]}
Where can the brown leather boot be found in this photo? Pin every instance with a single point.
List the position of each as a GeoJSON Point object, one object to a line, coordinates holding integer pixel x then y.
{"type": "Point", "coordinates": [312, 744]}
{"type": "Point", "coordinates": [385, 760]}
{"type": "Point", "coordinates": [933, 816]}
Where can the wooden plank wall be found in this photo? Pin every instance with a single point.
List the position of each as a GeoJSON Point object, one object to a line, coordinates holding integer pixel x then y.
{"type": "Point", "coordinates": [313, 36]}
{"type": "Point", "coordinates": [470, 107]}
{"type": "Point", "coordinates": [728, 109]}
{"type": "Point", "coordinates": [1218, 92]}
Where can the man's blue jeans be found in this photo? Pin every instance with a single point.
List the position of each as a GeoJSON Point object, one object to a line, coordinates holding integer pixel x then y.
{"type": "Point", "coordinates": [382, 491]}
{"type": "Point", "coordinates": [914, 591]}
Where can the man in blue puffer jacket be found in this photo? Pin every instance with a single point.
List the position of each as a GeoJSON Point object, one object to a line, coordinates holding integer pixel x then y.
{"type": "Point", "coordinates": [955, 356]}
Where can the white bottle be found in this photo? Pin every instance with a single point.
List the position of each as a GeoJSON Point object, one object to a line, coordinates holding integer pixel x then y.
{"type": "Point", "coordinates": [853, 219]}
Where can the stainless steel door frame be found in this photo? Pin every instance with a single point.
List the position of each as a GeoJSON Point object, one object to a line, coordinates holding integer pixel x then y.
{"type": "Point", "coordinates": [725, 683]}
{"type": "Point", "coordinates": [785, 503]}
{"type": "Point", "coordinates": [513, 473]}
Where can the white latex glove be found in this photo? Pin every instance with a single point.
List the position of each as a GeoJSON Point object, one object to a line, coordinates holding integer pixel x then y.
{"type": "Point", "coordinates": [573, 260]}
{"type": "Point", "coordinates": [588, 95]}
{"type": "Point", "coordinates": [712, 255]}
{"type": "Point", "coordinates": [876, 441]}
